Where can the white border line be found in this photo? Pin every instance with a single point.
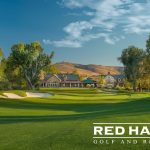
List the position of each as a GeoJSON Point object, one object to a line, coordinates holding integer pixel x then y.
{"type": "Point", "coordinates": [121, 137]}
{"type": "Point", "coordinates": [122, 123]}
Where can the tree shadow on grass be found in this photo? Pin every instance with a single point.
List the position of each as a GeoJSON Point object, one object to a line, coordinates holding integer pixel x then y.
{"type": "Point", "coordinates": [84, 110]}
{"type": "Point", "coordinates": [77, 107]}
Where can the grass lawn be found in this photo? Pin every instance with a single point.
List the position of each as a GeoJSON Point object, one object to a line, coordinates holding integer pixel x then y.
{"type": "Point", "coordinates": [65, 121]}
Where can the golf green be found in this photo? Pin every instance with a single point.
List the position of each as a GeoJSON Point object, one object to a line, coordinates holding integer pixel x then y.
{"type": "Point", "coordinates": [65, 120]}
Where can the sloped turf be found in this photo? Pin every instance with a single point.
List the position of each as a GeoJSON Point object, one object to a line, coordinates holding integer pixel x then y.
{"type": "Point", "coordinates": [65, 120]}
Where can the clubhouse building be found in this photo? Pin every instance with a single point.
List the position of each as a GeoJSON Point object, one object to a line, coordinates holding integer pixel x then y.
{"type": "Point", "coordinates": [67, 80]}
{"type": "Point", "coordinates": [114, 80]}
{"type": "Point", "coordinates": [73, 81]}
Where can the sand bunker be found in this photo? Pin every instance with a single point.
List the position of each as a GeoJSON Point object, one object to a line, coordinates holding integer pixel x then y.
{"type": "Point", "coordinates": [2, 96]}
{"type": "Point", "coordinates": [11, 95]}
{"type": "Point", "coordinates": [28, 94]}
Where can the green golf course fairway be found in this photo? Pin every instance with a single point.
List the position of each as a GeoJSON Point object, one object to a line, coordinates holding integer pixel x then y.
{"type": "Point", "coordinates": [65, 120]}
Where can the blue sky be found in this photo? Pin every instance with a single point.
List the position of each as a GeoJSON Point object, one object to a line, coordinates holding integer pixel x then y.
{"type": "Point", "coordinates": [80, 31]}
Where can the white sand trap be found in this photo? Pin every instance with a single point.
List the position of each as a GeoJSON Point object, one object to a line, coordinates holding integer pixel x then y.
{"type": "Point", "coordinates": [2, 96]}
{"type": "Point", "coordinates": [11, 95]}
{"type": "Point", "coordinates": [30, 94]}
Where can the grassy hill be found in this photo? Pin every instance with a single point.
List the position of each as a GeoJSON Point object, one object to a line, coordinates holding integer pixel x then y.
{"type": "Point", "coordinates": [65, 121]}
{"type": "Point", "coordinates": [89, 70]}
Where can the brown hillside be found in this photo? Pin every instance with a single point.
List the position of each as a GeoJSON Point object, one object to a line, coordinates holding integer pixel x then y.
{"type": "Point", "coordinates": [87, 70]}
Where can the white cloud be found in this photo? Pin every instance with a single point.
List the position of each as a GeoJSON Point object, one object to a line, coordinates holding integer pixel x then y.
{"type": "Point", "coordinates": [79, 3]}
{"type": "Point", "coordinates": [64, 43]}
{"type": "Point", "coordinates": [76, 29]}
{"type": "Point", "coordinates": [105, 17]}
{"type": "Point", "coordinates": [138, 24]}
{"type": "Point", "coordinates": [88, 13]}
{"type": "Point", "coordinates": [72, 3]}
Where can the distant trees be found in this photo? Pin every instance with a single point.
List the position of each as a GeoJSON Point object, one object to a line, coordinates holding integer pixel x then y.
{"type": "Point", "coordinates": [14, 75]}
{"type": "Point", "coordinates": [147, 58]}
{"type": "Point", "coordinates": [48, 69]}
{"type": "Point", "coordinates": [136, 63]}
{"type": "Point", "coordinates": [101, 80]}
{"type": "Point", "coordinates": [75, 71]}
{"type": "Point", "coordinates": [146, 77]}
{"type": "Point", "coordinates": [51, 69]}
{"type": "Point", "coordinates": [4, 84]}
{"type": "Point", "coordinates": [132, 59]}
{"type": "Point", "coordinates": [2, 65]}
{"type": "Point", "coordinates": [1, 54]}
{"type": "Point", "coordinates": [26, 62]}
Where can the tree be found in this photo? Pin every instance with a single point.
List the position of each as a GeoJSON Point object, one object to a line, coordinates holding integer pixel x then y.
{"type": "Point", "coordinates": [14, 75]}
{"type": "Point", "coordinates": [51, 69]}
{"type": "Point", "coordinates": [147, 58]}
{"type": "Point", "coordinates": [148, 45]}
{"type": "Point", "coordinates": [75, 71]}
{"type": "Point", "coordinates": [30, 59]}
{"type": "Point", "coordinates": [2, 70]}
{"type": "Point", "coordinates": [1, 55]}
{"type": "Point", "coordinates": [2, 65]}
{"type": "Point", "coordinates": [127, 84]}
{"type": "Point", "coordinates": [132, 59]}
{"type": "Point", "coordinates": [101, 80]}
{"type": "Point", "coordinates": [4, 84]}
{"type": "Point", "coordinates": [145, 82]}
{"type": "Point", "coordinates": [81, 78]}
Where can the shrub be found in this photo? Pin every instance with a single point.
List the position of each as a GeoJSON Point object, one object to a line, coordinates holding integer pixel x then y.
{"type": "Point", "coordinates": [5, 86]}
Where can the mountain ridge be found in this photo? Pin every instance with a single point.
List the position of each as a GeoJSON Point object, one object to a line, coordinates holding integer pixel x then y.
{"type": "Point", "coordinates": [87, 70]}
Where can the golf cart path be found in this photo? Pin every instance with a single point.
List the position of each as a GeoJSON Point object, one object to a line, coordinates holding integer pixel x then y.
{"type": "Point", "coordinates": [28, 94]}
